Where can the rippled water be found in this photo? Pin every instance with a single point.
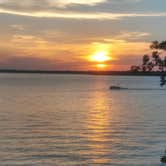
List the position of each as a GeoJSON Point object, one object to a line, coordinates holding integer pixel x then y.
{"type": "Point", "coordinates": [74, 120]}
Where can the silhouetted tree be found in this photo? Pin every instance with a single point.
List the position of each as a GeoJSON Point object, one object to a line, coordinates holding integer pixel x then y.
{"type": "Point", "coordinates": [155, 61]}
{"type": "Point", "coordinates": [135, 68]}
{"type": "Point", "coordinates": [156, 45]}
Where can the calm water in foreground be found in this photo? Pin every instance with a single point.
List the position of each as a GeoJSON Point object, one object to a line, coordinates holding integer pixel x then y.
{"type": "Point", "coordinates": [75, 120]}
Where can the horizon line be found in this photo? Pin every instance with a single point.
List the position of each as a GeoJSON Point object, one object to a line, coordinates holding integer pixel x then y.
{"type": "Point", "coordinates": [84, 72]}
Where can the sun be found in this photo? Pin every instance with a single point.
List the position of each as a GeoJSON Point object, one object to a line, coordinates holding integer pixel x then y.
{"type": "Point", "coordinates": [100, 57]}
{"type": "Point", "coordinates": [101, 66]}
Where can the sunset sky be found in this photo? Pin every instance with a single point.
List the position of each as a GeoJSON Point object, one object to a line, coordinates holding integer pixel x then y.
{"type": "Point", "coordinates": [78, 34]}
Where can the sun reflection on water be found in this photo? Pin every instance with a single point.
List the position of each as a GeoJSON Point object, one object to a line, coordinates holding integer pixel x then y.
{"type": "Point", "coordinates": [98, 124]}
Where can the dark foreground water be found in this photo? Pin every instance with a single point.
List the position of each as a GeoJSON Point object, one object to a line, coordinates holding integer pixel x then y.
{"type": "Point", "coordinates": [74, 120]}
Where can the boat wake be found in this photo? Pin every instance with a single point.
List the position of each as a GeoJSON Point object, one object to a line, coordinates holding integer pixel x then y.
{"type": "Point", "coordinates": [147, 89]}
{"type": "Point", "coordinates": [137, 89]}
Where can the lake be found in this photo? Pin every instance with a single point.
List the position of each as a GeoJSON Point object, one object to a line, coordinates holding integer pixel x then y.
{"type": "Point", "coordinates": [75, 120]}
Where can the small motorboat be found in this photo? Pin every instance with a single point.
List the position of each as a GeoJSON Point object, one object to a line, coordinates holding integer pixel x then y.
{"type": "Point", "coordinates": [116, 88]}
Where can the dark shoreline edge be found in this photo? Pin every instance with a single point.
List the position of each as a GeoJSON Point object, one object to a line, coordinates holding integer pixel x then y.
{"type": "Point", "coordinates": [116, 73]}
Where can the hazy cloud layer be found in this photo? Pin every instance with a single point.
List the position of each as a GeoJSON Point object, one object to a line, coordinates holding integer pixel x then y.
{"type": "Point", "coordinates": [76, 9]}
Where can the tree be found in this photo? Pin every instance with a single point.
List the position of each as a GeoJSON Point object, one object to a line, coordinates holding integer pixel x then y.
{"type": "Point", "coordinates": [155, 61]}
{"type": "Point", "coordinates": [157, 45]}
{"type": "Point", "coordinates": [135, 68]}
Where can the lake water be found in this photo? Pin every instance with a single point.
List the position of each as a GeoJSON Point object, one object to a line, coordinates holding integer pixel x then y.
{"type": "Point", "coordinates": [75, 120]}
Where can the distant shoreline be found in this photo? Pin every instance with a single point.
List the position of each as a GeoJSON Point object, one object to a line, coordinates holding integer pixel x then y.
{"type": "Point", "coordinates": [116, 73]}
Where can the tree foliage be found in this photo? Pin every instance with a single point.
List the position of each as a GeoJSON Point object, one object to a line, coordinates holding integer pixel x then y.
{"type": "Point", "coordinates": [154, 62]}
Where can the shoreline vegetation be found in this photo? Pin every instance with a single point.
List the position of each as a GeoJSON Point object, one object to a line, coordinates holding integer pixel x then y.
{"type": "Point", "coordinates": [116, 73]}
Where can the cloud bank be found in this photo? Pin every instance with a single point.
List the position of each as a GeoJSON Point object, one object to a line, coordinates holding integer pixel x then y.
{"type": "Point", "coordinates": [61, 9]}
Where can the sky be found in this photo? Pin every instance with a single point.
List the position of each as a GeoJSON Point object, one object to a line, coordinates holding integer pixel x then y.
{"type": "Point", "coordinates": [78, 34]}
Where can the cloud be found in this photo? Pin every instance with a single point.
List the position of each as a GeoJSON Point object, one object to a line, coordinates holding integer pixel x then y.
{"type": "Point", "coordinates": [34, 52]}
{"type": "Point", "coordinates": [17, 62]}
{"type": "Point", "coordinates": [126, 1]}
{"type": "Point", "coordinates": [61, 9]}
{"type": "Point", "coordinates": [132, 36]}
{"type": "Point", "coordinates": [38, 63]}
{"type": "Point", "coordinates": [18, 27]}
{"type": "Point", "coordinates": [59, 3]}
{"type": "Point", "coordinates": [75, 2]}
{"type": "Point", "coordinates": [78, 15]}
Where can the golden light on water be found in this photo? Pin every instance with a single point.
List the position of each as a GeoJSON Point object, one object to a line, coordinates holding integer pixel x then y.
{"type": "Point", "coordinates": [97, 123]}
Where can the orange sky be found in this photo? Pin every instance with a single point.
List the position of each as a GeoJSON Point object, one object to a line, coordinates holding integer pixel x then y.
{"type": "Point", "coordinates": [78, 35]}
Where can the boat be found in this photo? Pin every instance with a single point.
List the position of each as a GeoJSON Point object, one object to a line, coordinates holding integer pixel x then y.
{"type": "Point", "coordinates": [117, 88]}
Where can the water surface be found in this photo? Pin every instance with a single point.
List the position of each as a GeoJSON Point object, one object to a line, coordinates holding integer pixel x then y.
{"type": "Point", "coordinates": [75, 120]}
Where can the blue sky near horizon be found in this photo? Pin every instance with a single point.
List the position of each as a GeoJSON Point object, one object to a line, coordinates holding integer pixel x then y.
{"type": "Point", "coordinates": [64, 35]}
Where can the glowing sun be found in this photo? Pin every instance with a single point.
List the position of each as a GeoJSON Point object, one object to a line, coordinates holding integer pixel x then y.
{"type": "Point", "coordinates": [101, 66]}
{"type": "Point", "coordinates": [100, 57]}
